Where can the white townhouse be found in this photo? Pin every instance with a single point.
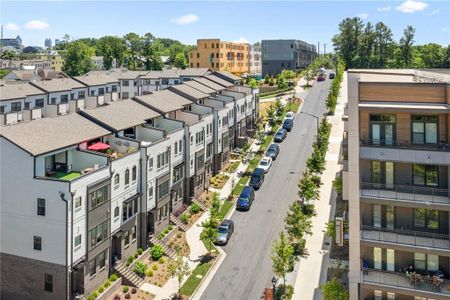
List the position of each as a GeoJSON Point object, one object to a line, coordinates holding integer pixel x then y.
{"type": "Point", "coordinates": [129, 81]}
{"type": "Point", "coordinates": [102, 88]}
{"type": "Point", "coordinates": [20, 102]}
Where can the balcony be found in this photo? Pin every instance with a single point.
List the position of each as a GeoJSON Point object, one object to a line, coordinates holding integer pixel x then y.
{"type": "Point", "coordinates": [426, 284]}
{"type": "Point", "coordinates": [406, 237]}
{"type": "Point", "coordinates": [12, 117]}
{"type": "Point", "coordinates": [405, 145]}
{"type": "Point", "coordinates": [407, 193]}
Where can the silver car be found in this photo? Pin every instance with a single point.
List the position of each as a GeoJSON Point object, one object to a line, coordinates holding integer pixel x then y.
{"type": "Point", "coordinates": [225, 230]}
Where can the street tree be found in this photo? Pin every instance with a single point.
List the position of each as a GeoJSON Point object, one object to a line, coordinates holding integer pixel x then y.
{"type": "Point", "coordinates": [214, 210]}
{"type": "Point", "coordinates": [334, 290]}
{"type": "Point", "coordinates": [283, 257]}
{"type": "Point", "coordinates": [77, 59]}
{"type": "Point", "coordinates": [308, 189]}
{"type": "Point", "coordinates": [179, 269]}
{"type": "Point", "coordinates": [298, 225]}
{"type": "Point", "coordinates": [271, 116]}
{"type": "Point", "coordinates": [209, 233]}
{"type": "Point", "coordinates": [278, 107]}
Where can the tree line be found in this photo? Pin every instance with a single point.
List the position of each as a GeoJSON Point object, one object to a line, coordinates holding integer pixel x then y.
{"type": "Point", "coordinates": [365, 45]}
{"type": "Point", "coordinates": [132, 51]}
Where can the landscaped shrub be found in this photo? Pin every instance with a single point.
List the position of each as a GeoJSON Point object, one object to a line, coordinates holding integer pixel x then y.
{"type": "Point", "coordinates": [179, 235]}
{"type": "Point", "coordinates": [133, 290]}
{"type": "Point", "coordinates": [127, 296]}
{"type": "Point", "coordinates": [155, 267]}
{"type": "Point", "coordinates": [101, 289]}
{"type": "Point", "coordinates": [140, 268]}
{"type": "Point", "coordinates": [130, 259]}
{"type": "Point", "coordinates": [140, 251]}
{"type": "Point", "coordinates": [136, 255]}
{"type": "Point", "coordinates": [161, 260]}
{"type": "Point", "coordinates": [113, 277]}
{"type": "Point", "coordinates": [156, 251]}
{"type": "Point", "coordinates": [93, 295]}
{"type": "Point", "coordinates": [149, 273]}
{"type": "Point", "coordinates": [106, 284]}
{"type": "Point", "coordinates": [194, 208]}
{"type": "Point", "coordinates": [185, 217]}
{"type": "Point", "coordinates": [125, 289]}
{"type": "Point", "coordinates": [116, 297]}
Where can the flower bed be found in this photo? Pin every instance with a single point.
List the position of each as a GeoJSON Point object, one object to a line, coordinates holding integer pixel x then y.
{"type": "Point", "coordinates": [131, 293]}
{"type": "Point", "coordinates": [219, 181]}
{"type": "Point", "coordinates": [157, 272]}
{"type": "Point", "coordinates": [232, 167]}
{"type": "Point", "coordinates": [178, 242]}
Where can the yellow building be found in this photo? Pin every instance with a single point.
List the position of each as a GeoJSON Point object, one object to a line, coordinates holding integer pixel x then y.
{"type": "Point", "coordinates": [221, 56]}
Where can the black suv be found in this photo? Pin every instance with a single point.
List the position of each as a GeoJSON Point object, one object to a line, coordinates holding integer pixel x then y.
{"type": "Point", "coordinates": [257, 178]}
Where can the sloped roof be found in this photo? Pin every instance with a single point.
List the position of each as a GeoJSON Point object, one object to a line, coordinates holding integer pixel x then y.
{"type": "Point", "coordinates": [18, 91]}
{"type": "Point", "coordinates": [164, 101]}
{"type": "Point", "coordinates": [189, 91]}
{"type": "Point", "coordinates": [96, 79]}
{"type": "Point", "coordinates": [201, 87]}
{"type": "Point", "coordinates": [228, 75]}
{"type": "Point", "coordinates": [219, 80]}
{"type": "Point", "coordinates": [210, 84]}
{"type": "Point", "coordinates": [58, 84]}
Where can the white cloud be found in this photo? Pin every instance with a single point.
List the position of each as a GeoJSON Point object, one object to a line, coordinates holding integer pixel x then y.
{"type": "Point", "coordinates": [363, 15]}
{"type": "Point", "coordinates": [11, 27]}
{"type": "Point", "coordinates": [36, 25]}
{"type": "Point", "coordinates": [241, 40]}
{"type": "Point", "coordinates": [411, 6]}
{"type": "Point", "coordinates": [384, 9]}
{"type": "Point", "coordinates": [184, 20]}
{"type": "Point", "coordinates": [434, 12]}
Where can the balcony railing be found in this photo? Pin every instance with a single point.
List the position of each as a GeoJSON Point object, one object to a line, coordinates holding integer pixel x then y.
{"type": "Point", "coordinates": [406, 237]}
{"type": "Point", "coordinates": [427, 284]}
{"type": "Point", "coordinates": [441, 146]}
{"type": "Point", "coordinates": [412, 193]}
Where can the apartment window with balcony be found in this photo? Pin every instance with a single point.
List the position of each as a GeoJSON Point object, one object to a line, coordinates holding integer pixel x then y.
{"type": "Point", "coordinates": [424, 129]}
{"type": "Point", "coordinates": [77, 240]}
{"type": "Point", "coordinates": [134, 173]}
{"type": "Point", "coordinates": [127, 177]}
{"type": "Point", "coordinates": [382, 172]}
{"type": "Point", "coordinates": [426, 175]}
{"type": "Point", "coordinates": [41, 207]}
{"type": "Point", "coordinates": [37, 243]}
{"type": "Point", "coordinates": [16, 106]}
{"type": "Point", "coordinates": [163, 189]}
{"type": "Point", "coordinates": [98, 234]}
{"type": "Point", "coordinates": [116, 181]}
{"type": "Point", "coordinates": [98, 196]}
{"type": "Point", "coordinates": [48, 282]}
{"type": "Point", "coordinates": [426, 218]}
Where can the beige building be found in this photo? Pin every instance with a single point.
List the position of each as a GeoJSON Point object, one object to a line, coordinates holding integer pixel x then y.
{"type": "Point", "coordinates": [399, 169]}
{"type": "Point", "coordinates": [219, 55]}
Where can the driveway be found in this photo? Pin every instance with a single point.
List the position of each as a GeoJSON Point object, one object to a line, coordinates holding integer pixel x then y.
{"type": "Point", "coordinates": [247, 268]}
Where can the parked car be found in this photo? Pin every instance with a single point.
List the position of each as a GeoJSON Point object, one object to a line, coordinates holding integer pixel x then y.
{"type": "Point", "coordinates": [225, 230]}
{"type": "Point", "coordinates": [246, 198]}
{"type": "Point", "coordinates": [272, 151]}
{"type": "Point", "coordinates": [321, 77]}
{"type": "Point", "coordinates": [265, 163]}
{"type": "Point", "coordinates": [288, 124]}
{"type": "Point", "coordinates": [280, 135]}
{"type": "Point", "coordinates": [331, 76]}
{"type": "Point", "coordinates": [289, 115]}
{"type": "Point", "coordinates": [257, 178]}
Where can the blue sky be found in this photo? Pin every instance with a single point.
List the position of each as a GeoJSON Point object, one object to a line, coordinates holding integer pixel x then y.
{"type": "Point", "coordinates": [312, 21]}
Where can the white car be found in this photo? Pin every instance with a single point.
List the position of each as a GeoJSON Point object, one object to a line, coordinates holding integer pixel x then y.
{"type": "Point", "coordinates": [265, 163]}
{"type": "Point", "coordinates": [289, 115]}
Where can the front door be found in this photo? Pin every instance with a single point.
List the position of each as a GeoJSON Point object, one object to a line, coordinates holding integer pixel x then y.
{"type": "Point", "coordinates": [116, 248]}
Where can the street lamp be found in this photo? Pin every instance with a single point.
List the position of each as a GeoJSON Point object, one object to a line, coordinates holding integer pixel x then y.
{"type": "Point", "coordinates": [317, 125]}
{"type": "Point", "coordinates": [274, 285]}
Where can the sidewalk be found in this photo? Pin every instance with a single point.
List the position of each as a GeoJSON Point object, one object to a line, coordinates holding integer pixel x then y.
{"type": "Point", "coordinates": [312, 270]}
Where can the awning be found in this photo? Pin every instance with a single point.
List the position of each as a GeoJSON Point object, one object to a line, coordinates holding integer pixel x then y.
{"type": "Point", "coordinates": [98, 146]}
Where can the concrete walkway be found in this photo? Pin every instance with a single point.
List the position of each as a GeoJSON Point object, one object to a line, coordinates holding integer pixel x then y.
{"type": "Point", "coordinates": [299, 92]}
{"type": "Point", "coordinates": [312, 270]}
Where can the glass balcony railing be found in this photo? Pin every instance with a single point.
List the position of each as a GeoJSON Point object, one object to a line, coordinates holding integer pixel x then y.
{"type": "Point", "coordinates": [441, 146]}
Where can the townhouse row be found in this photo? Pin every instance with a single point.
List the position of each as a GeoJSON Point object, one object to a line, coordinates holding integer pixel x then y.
{"type": "Point", "coordinates": [398, 164]}
{"type": "Point", "coordinates": [89, 180]}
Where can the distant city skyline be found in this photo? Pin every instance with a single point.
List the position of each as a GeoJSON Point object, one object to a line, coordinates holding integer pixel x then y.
{"type": "Point", "coordinates": [237, 21]}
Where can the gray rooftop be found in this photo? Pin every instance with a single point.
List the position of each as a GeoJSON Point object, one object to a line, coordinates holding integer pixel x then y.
{"type": "Point", "coordinates": [125, 74]}
{"type": "Point", "coordinates": [18, 91]}
{"type": "Point", "coordinates": [121, 115]}
{"type": "Point", "coordinates": [219, 80]}
{"type": "Point", "coordinates": [58, 84]}
{"type": "Point", "coordinates": [210, 84]}
{"type": "Point", "coordinates": [49, 134]}
{"type": "Point", "coordinates": [164, 101]}
{"type": "Point", "coordinates": [92, 79]}
{"type": "Point", "coordinates": [201, 87]}
{"type": "Point", "coordinates": [189, 91]}
{"type": "Point", "coordinates": [228, 75]}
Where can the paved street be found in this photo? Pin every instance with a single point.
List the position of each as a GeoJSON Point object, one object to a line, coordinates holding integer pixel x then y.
{"type": "Point", "coordinates": [247, 268]}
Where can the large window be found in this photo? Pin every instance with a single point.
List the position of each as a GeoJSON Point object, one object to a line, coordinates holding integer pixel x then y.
{"type": "Point", "coordinates": [116, 181]}
{"type": "Point", "coordinates": [163, 189]}
{"type": "Point", "coordinates": [48, 282]}
{"type": "Point", "coordinates": [37, 243]}
{"type": "Point", "coordinates": [426, 218]}
{"type": "Point", "coordinates": [162, 159]}
{"type": "Point", "coordinates": [39, 103]}
{"type": "Point", "coordinates": [424, 129]}
{"type": "Point", "coordinates": [382, 129]}
{"type": "Point", "coordinates": [77, 240]}
{"type": "Point", "coordinates": [177, 173]}
{"type": "Point", "coordinates": [98, 196]}
{"type": "Point", "coordinates": [127, 177]}
{"type": "Point", "coordinates": [98, 234]}
{"type": "Point", "coordinates": [41, 207]}
{"type": "Point", "coordinates": [426, 175]}
{"type": "Point", "coordinates": [426, 262]}
{"type": "Point", "coordinates": [129, 209]}
{"type": "Point", "coordinates": [16, 106]}
{"type": "Point", "coordinates": [98, 261]}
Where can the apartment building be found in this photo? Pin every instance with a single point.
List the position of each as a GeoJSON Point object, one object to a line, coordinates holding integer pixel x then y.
{"type": "Point", "coordinates": [279, 55]}
{"type": "Point", "coordinates": [101, 88]}
{"type": "Point", "coordinates": [219, 55]}
{"type": "Point", "coordinates": [255, 60]}
{"type": "Point", "coordinates": [399, 170]}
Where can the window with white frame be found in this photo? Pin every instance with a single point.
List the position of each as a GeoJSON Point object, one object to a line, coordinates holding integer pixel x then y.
{"type": "Point", "coordinates": [116, 181]}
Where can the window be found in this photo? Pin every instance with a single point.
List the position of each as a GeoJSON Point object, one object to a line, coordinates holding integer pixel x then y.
{"type": "Point", "coordinates": [101, 91]}
{"type": "Point", "coordinates": [125, 83]}
{"type": "Point", "coordinates": [426, 175]}
{"type": "Point", "coordinates": [424, 129]}
{"type": "Point", "coordinates": [426, 218]}
{"type": "Point", "coordinates": [133, 233]}
{"type": "Point", "coordinates": [150, 192]}
{"type": "Point", "coordinates": [81, 94]}
{"type": "Point", "coordinates": [64, 98]}
{"type": "Point", "coordinates": [98, 234]}
{"type": "Point", "coordinates": [101, 260]}
{"type": "Point", "coordinates": [114, 88]}
{"type": "Point", "coordinates": [126, 239]}
{"type": "Point", "coordinates": [2, 109]}
{"type": "Point", "coordinates": [116, 181]}
{"type": "Point", "coordinates": [127, 177]}
{"type": "Point", "coordinates": [27, 105]}
{"type": "Point", "coordinates": [150, 164]}
{"type": "Point", "coordinates": [16, 106]}
{"type": "Point", "coordinates": [129, 209]}
{"type": "Point", "coordinates": [48, 282]}
{"type": "Point", "coordinates": [116, 212]}
{"type": "Point", "coordinates": [162, 160]}
{"type": "Point", "coordinates": [41, 207]}
{"type": "Point", "coordinates": [177, 173]}
{"type": "Point", "coordinates": [163, 189]}
{"type": "Point", "coordinates": [92, 267]}
{"type": "Point", "coordinates": [98, 196]}
{"type": "Point", "coordinates": [176, 148]}
{"type": "Point", "coordinates": [426, 262]}
{"type": "Point", "coordinates": [39, 103]}
{"type": "Point", "coordinates": [77, 241]}
{"type": "Point", "coordinates": [77, 202]}
{"type": "Point", "coordinates": [53, 100]}
{"type": "Point", "coordinates": [37, 243]}
{"type": "Point", "coordinates": [180, 146]}
{"type": "Point", "coordinates": [134, 173]}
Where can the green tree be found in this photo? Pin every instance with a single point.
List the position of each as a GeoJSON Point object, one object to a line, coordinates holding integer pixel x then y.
{"type": "Point", "coordinates": [406, 43]}
{"type": "Point", "coordinates": [3, 73]}
{"type": "Point", "coordinates": [210, 233]}
{"type": "Point", "coordinates": [180, 61]}
{"type": "Point", "coordinates": [297, 225]}
{"type": "Point", "coordinates": [432, 55]}
{"type": "Point", "coordinates": [135, 45]}
{"type": "Point", "coordinates": [111, 47]}
{"type": "Point", "coordinates": [266, 79]}
{"type": "Point", "coordinates": [214, 210]}
{"type": "Point", "coordinates": [253, 83]}
{"type": "Point", "coordinates": [281, 83]}
{"type": "Point", "coordinates": [77, 59]}
{"type": "Point", "coordinates": [308, 188]}
{"type": "Point", "coordinates": [271, 116]}
{"type": "Point", "coordinates": [334, 290]}
{"type": "Point", "coordinates": [8, 54]}
{"type": "Point", "coordinates": [278, 107]}
{"type": "Point", "coordinates": [282, 257]}
{"type": "Point", "coordinates": [179, 269]}
{"type": "Point", "coordinates": [383, 45]}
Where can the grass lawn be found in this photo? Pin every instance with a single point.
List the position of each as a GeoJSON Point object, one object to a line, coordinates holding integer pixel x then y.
{"type": "Point", "coordinates": [196, 277]}
{"type": "Point", "coordinates": [66, 176]}
{"type": "Point", "coordinates": [225, 208]}
{"type": "Point", "coordinates": [240, 185]}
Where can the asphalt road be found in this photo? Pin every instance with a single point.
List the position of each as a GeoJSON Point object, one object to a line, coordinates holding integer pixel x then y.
{"type": "Point", "coordinates": [247, 268]}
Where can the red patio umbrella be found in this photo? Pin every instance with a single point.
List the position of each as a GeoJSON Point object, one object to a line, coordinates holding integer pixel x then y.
{"type": "Point", "coordinates": [98, 146]}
